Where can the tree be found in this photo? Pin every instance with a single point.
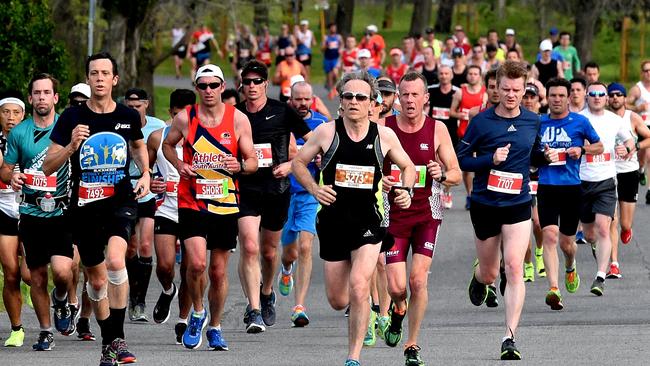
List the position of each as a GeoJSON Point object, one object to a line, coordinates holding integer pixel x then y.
{"type": "Point", "coordinates": [388, 14]}
{"type": "Point", "coordinates": [27, 46]}
{"type": "Point", "coordinates": [260, 15]}
{"type": "Point", "coordinates": [421, 16]}
{"type": "Point", "coordinates": [444, 17]}
{"type": "Point", "coordinates": [585, 14]}
{"type": "Point", "coordinates": [344, 13]}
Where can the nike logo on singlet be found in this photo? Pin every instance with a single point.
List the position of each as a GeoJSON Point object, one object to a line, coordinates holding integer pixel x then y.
{"type": "Point", "coordinates": [269, 117]}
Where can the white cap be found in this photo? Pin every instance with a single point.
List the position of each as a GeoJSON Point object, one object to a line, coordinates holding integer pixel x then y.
{"type": "Point", "coordinates": [209, 70]}
{"type": "Point", "coordinates": [546, 45]}
{"type": "Point", "coordinates": [363, 53]}
{"type": "Point", "coordinates": [81, 88]}
{"type": "Point", "coordinates": [304, 22]}
{"type": "Point", "coordinates": [510, 32]}
{"type": "Point", "coordinates": [296, 79]}
{"type": "Point", "coordinates": [12, 100]}
{"type": "Point", "coordinates": [372, 28]}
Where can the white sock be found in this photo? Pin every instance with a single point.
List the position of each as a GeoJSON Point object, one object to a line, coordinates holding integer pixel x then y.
{"type": "Point", "coordinates": [600, 274]}
{"type": "Point", "coordinates": [181, 320]}
{"type": "Point", "coordinates": [217, 327]}
{"type": "Point", "coordinates": [504, 338]}
{"type": "Point", "coordinates": [170, 291]}
{"type": "Point", "coordinates": [615, 264]}
{"type": "Point", "coordinates": [287, 271]}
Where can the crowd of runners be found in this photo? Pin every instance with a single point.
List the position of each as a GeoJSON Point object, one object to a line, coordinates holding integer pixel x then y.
{"type": "Point", "coordinates": [106, 191]}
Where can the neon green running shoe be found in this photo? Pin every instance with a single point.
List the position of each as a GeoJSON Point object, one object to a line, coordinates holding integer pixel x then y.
{"type": "Point", "coordinates": [285, 282]}
{"type": "Point", "coordinates": [370, 339]}
{"type": "Point", "coordinates": [572, 281]}
{"type": "Point", "coordinates": [16, 338]}
{"type": "Point", "coordinates": [393, 334]}
{"type": "Point", "coordinates": [382, 325]}
{"type": "Point", "coordinates": [539, 262]}
{"type": "Point", "coordinates": [554, 299]}
{"type": "Point", "coordinates": [529, 272]}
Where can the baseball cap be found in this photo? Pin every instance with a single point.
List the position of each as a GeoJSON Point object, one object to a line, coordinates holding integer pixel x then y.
{"type": "Point", "coordinates": [457, 51]}
{"type": "Point", "coordinates": [209, 70]}
{"type": "Point", "coordinates": [616, 87]}
{"type": "Point", "coordinates": [429, 30]}
{"type": "Point", "coordinates": [532, 89]}
{"type": "Point", "coordinates": [136, 94]}
{"type": "Point", "coordinates": [395, 51]}
{"type": "Point", "coordinates": [296, 79]}
{"type": "Point", "coordinates": [553, 31]}
{"type": "Point", "coordinates": [372, 28]}
{"type": "Point", "coordinates": [386, 85]}
{"type": "Point", "coordinates": [510, 32]}
{"type": "Point", "coordinates": [257, 68]}
{"type": "Point", "coordinates": [82, 89]}
{"type": "Point", "coordinates": [458, 28]}
{"type": "Point", "coordinates": [363, 53]}
{"type": "Point", "coordinates": [546, 45]}
{"type": "Point", "coordinates": [304, 22]}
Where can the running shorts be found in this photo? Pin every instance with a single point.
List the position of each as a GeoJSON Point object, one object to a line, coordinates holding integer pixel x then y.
{"type": "Point", "coordinates": [487, 220]}
{"type": "Point", "coordinates": [560, 206]}
{"type": "Point", "coordinates": [273, 208]}
{"type": "Point", "coordinates": [219, 231]}
{"type": "Point", "coordinates": [422, 238]}
{"type": "Point", "coordinates": [627, 186]}
{"type": "Point", "coordinates": [338, 239]}
{"type": "Point", "coordinates": [8, 225]}
{"type": "Point", "coordinates": [165, 226]}
{"type": "Point", "coordinates": [44, 237]}
{"type": "Point", "coordinates": [301, 217]}
{"type": "Point", "coordinates": [598, 198]}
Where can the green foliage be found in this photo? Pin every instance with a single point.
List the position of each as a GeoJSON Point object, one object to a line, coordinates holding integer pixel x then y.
{"type": "Point", "coordinates": [27, 45]}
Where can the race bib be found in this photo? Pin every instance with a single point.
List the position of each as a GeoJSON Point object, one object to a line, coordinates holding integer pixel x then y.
{"type": "Point", "coordinates": [243, 53]}
{"type": "Point", "coordinates": [91, 192]}
{"type": "Point", "coordinates": [303, 57]}
{"type": "Point", "coordinates": [533, 187]}
{"type": "Point", "coordinates": [420, 177]}
{"type": "Point", "coordinates": [211, 188]}
{"type": "Point", "coordinates": [561, 157]}
{"type": "Point", "coordinates": [600, 158]}
{"type": "Point", "coordinates": [505, 182]}
{"type": "Point", "coordinates": [265, 56]}
{"type": "Point", "coordinates": [171, 186]}
{"type": "Point", "coordinates": [38, 181]}
{"type": "Point", "coordinates": [439, 113]}
{"type": "Point", "coordinates": [332, 45]}
{"type": "Point", "coordinates": [5, 188]}
{"type": "Point", "coordinates": [264, 155]}
{"type": "Point", "coordinates": [354, 176]}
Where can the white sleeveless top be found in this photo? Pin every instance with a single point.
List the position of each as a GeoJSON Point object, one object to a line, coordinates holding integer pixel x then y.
{"type": "Point", "coordinates": [9, 198]}
{"type": "Point", "coordinates": [643, 98]}
{"type": "Point", "coordinates": [169, 206]}
{"type": "Point", "coordinates": [626, 166]}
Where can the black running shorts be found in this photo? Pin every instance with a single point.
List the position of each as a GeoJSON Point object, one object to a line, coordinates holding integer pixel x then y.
{"type": "Point", "coordinates": [627, 186]}
{"type": "Point", "coordinates": [8, 225]}
{"type": "Point", "coordinates": [338, 239]}
{"type": "Point", "coordinates": [487, 220]}
{"type": "Point", "coordinates": [598, 198]}
{"type": "Point", "coordinates": [274, 208]}
{"type": "Point", "coordinates": [560, 206]}
{"type": "Point", "coordinates": [44, 237]}
{"type": "Point", "coordinates": [219, 231]}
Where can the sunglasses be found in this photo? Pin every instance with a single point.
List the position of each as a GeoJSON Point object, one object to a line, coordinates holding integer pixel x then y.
{"type": "Point", "coordinates": [615, 94]}
{"type": "Point", "coordinates": [595, 94]}
{"type": "Point", "coordinates": [360, 97]}
{"type": "Point", "coordinates": [289, 55]}
{"type": "Point", "coordinates": [256, 81]}
{"type": "Point", "coordinates": [77, 103]}
{"type": "Point", "coordinates": [646, 70]}
{"type": "Point", "coordinates": [204, 86]}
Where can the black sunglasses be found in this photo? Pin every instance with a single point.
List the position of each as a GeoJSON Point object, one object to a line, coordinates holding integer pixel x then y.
{"type": "Point", "coordinates": [77, 103]}
{"type": "Point", "coordinates": [256, 81]}
{"type": "Point", "coordinates": [204, 86]}
{"type": "Point", "coordinates": [615, 94]}
{"type": "Point", "coordinates": [360, 97]}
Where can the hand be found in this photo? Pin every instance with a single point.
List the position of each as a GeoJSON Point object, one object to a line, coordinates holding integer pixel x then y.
{"type": "Point", "coordinates": [186, 171]}
{"type": "Point", "coordinates": [434, 169]}
{"type": "Point", "coordinates": [17, 181]}
{"type": "Point", "coordinates": [282, 170]}
{"type": "Point", "coordinates": [142, 186]}
{"type": "Point", "coordinates": [621, 150]}
{"type": "Point", "coordinates": [501, 155]}
{"type": "Point", "coordinates": [325, 195]}
{"type": "Point", "coordinates": [387, 182]}
{"type": "Point", "coordinates": [158, 185]}
{"type": "Point", "coordinates": [402, 198]}
{"type": "Point", "coordinates": [574, 152]}
{"type": "Point", "coordinates": [318, 159]}
{"type": "Point", "coordinates": [550, 154]}
{"type": "Point", "coordinates": [79, 134]}
{"type": "Point", "coordinates": [232, 164]}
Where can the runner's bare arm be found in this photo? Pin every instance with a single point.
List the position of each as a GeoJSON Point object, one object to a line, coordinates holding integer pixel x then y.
{"type": "Point", "coordinates": [632, 96]}
{"type": "Point", "coordinates": [322, 108]}
{"type": "Point", "coordinates": [152, 146]}
{"type": "Point", "coordinates": [595, 148]}
{"type": "Point", "coordinates": [57, 155]}
{"type": "Point", "coordinates": [641, 130]}
{"type": "Point", "coordinates": [141, 158]}
{"type": "Point", "coordinates": [293, 147]}
{"type": "Point", "coordinates": [245, 142]}
{"type": "Point", "coordinates": [447, 156]}
{"type": "Point", "coordinates": [177, 130]}
{"type": "Point", "coordinates": [455, 102]}
{"type": "Point", "coordinates": [6, 170]}
{"type": "Point", "coordinates": [392, 149]}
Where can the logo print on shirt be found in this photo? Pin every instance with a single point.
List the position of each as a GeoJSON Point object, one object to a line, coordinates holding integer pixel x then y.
{"type": "Point", "coordinates": [424, 146]}
{"type": "Point", "coordinates": [555, 134]}
{"type": "Point", "coordinates": [369, 147]}
{"type": "Point", "coordinates": [512, 128]}
{"type": "Point", "coordinates": [367, 234]}
{"type": "Point", "coordinates": [122, 125]}
{"type": "Point", "coordinates": [104, 150]}
{"type": "Point", "coordinates": [269, 117]}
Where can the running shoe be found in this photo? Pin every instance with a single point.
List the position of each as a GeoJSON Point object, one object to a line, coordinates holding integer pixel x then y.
{"type": "Point", "coordinates": [161, 310]}
{"type": "Point", "coordinates": [83, 330]}
{"type": "Point", "coordinates": [647, 197]}
{"type": "Point", "coordinates": [382, 326]}
{"type": "Point", "coordinates": [491, 300]}
{"type": "Point", "coordinates": [45, 341]}
{"type": "Point", "coordinates": [193, 335]}
{"type": "Point", "coordinates": [477, 291]}
{"type": "Point", "coordinates": [298, 316]}
{"type": "Point", "coordinates": [412, 355]}
{"type": "Point", "coordinates": [62, 315]}
{"type": "Point", "coordinates": [16, 338]}
{"type": "Point", "coordinates": [509, 351]}
{"type": "Point", "coordinates": [580, 238]}
{"type": "Point", "coordinates": [468, 203]}
{"type": "Point", "coordinates": [350, 362]}
{"type": "Point", "coordinates": [614, 271]}
{"type": "Point", "coordinates": [109, 357]}
{"type": "Point", "coordinates": [370, 339]}
{"type": "Point", "coordinates": [285, 282]}
{"type": "Point", "coordinates": [247, 311]}
{"type": "Point", "coordinates": [347, 312]}
{"type": "Point", "coordinates": [138, 313]}
{"type": "Point", "coordinates": [598, 286]}
{"type": "Point", "coordinates": [626, 236]}
{"type": "Point", "coordinates": [539, 262]}
{"type": "Point", "coordinates": [215, 340]}
{"type": "Point", "coordinates": [554, 299]}
{"type": "Point", "coordinates": [268, 308]}
{"type": "Point", "coordinates": [572, 281]}
{"type": "Point", "coordinates": [256, 323]}
{"type": "Point", "coordinates": [529, 272]}
{"type": "Point", "coordinates": [25, 292]}
{"type": "Point", "coordinates": [179, 330]}
{"type": "Point", "coordinates": [122, 350]}
{"type": "Point", "coordinates": [393, 334]}
{"type": "Point", "coordinates": [74, 314]}
{"type": "Point", "coordinates": [643, 179]}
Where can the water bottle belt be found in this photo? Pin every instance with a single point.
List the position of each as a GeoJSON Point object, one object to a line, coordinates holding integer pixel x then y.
{"type": "Point", "coordinates": [36, 200]}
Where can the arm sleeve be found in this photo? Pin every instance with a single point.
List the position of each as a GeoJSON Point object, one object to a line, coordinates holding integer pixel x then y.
{"type": "Point", "coordinates": [12, 152]}
{"type": "Point", "coordinates": [61, 133]}
{"type": "Point", "coordinates": [465, 152]}
{"type": "Point", "coordinates": [297, 125]}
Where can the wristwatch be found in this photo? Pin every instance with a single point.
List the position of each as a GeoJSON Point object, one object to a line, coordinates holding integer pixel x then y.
{"type": "Point", "coordinates": [582, 150]}
{"type": "Point", "coordinates": [443, 178]}
{"type": "Point", "coordinates": [409, 190]}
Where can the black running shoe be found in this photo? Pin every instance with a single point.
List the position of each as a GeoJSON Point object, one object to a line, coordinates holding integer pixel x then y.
{"type": "Point", "coordinates": [179, 329]}
{"type": "Point", "coordinates": [74, 313]}
{"type": "Point", "coordinates": [598, 286]}
{"type": "Point", "coordinates": [509, 351]}
{"type": "Point", "coordinates": [109, 357]}
{"type": "Point", "coordinates": [83, 330]}
{"type": "Point", "coordinates": [477, 291]}
{"type": "Point", "coordinates": [491, 301]}
{"type": "Point", "coordinates": [412, 355]}
{"type": "Point", "coordinates": [268, 308]}
{"type": "Point", "coordinates": [161, 310]}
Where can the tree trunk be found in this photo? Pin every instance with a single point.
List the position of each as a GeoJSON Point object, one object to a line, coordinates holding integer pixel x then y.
{"type": "Point", "coordinates": [586, 13]}
{"type": "Point", "coordinates": [69, 29]}
{"type": "Point", "coordinates": [501, 9]}
{"type": "Point", "coordinates": [445, 13]}
{"type": "Point", "coordinates": [421, 16]}
{"type": "Point", "coordinates": [388, 14]}
{"type": "Point", "coordinates": [260, 15]}
{"type": "Point", "coordinates": [344, 13]}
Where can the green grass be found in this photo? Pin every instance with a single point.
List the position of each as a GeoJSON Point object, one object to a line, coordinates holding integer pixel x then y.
{"type": "Point", "coordinates": [161, 97]}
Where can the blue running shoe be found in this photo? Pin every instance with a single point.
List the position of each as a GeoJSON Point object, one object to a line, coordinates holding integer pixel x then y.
{"type": "Point", "coordinates": [62, 314]}
{"type": "Point", "coordinates": [122, 352]}
{"type": "Point", "coordinates": [109, 357]}
{"type": "Point", "coordinates": [193, 335]}
{"type": "Point", "coordinates": [580, 238]}
{"type": "Point", "coordinates": [216, 341]}
{"type": "Point", "coordinates": [45, 341]}
{"type": "Point", "coordinates": [255, 324]}
{"type": "Point", "coordinates": [468, 203]}
{"type": "Point", "coordinates": [268, 308]}
{"type": "Point", "coordinates": [350, 362]}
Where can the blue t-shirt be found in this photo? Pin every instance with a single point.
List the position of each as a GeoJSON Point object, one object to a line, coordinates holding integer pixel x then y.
{"type": "Point", "coordinates": [487, 132]}
{"type": "Point", "coordinates": [562, 134]}
{"type": "Point", "coordinates": [313, 121]}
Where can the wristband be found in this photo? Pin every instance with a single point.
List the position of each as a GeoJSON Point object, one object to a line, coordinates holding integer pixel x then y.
{"type": "Point", "coordinates": [582, 150]}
